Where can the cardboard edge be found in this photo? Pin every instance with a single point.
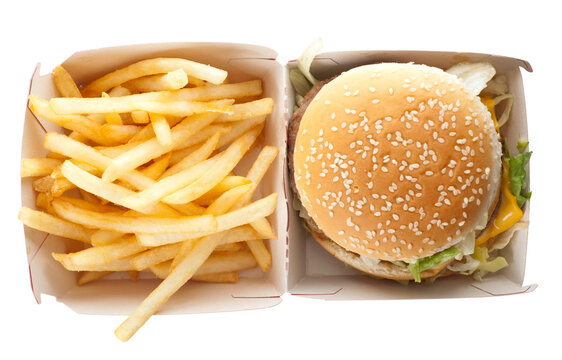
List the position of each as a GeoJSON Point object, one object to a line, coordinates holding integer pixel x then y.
{"type": "Point", "coordinates": [524, 289]}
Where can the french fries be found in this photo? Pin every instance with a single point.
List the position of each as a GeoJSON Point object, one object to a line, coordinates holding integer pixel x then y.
{"type": "Point", "coordinates": [154, 163]}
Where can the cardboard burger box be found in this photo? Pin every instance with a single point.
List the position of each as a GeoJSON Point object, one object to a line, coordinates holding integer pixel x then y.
{"type": "Point", "coordinates": [300, 266]}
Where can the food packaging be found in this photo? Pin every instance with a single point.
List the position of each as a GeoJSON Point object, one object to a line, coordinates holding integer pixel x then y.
{"type": "Point", "coordinates": [300, 266]}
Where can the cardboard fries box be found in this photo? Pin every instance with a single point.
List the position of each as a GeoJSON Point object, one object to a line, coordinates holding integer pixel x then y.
{"type": "Point", "coordinates": [300, 266]}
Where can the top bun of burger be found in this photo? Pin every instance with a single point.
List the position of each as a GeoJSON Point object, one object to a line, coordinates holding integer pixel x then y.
{"type": "Point", "coordinates": [396, 161]}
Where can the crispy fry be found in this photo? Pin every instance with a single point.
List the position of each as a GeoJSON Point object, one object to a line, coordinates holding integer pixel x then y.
{"type": "Point", "coordinates": [248, 110]}
{"type": "Point", "coordinates": [105, 237]}
{"type": "Point", "coordinates": [123, 264]}
{"type": "Point", "coordinates": [141, 224]}
{"type": "Point", "coordinates": [119, 133]}
{"type": "Point", "coordinates": [99, 255]}
{"type": "Point", "coordinates": [140, 117]}
{"type": "Point", "coordinates": [64, 83]}
{"type": "Point", "coordinates": [161, 128]}
{"type": "Point", "coordinates": [260, 253]}
{"type": "Point", "coordinates": [173, 80]}
{"type": "Point", "coordinates": [155, 256]}
{"type": "Point", "coordinates": [38, 167]}
{"type": "Point", "coordinates": [89, 276]}
{"type": "Point", "coordinates": [151, 67]}
{"type": "Point", "coordinates": [54, 225]}
{"type": "Point", "coordinates": [223, 277]}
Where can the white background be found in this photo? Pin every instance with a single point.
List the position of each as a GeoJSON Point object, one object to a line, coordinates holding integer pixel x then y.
{"type": "Point", "coordinates": [511, 326]}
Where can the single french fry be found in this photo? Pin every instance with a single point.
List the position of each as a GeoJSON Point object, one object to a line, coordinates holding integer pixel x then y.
{"type": "Point", "coordinates": [263, 227]}
{"type": "Point", "coordinates": [235, 234]}
{"type": "Point", "coordinates": [248, 110]}
{"type": "Point", "coordinates": [151, 67]}
{"type": "Point", "coordinates": [261, 254]}
{"type": "Point", "coordinates": [54, 225]}
{"type": "Point", "coordinates": [105, 237]}
{"type": "Point", "coordinates": [99, 255]}
{"type": "Point", "coordinates": [231, 247]}
{"type": "Point", "coordinates": [161, 128]}
{"type": "Point", "coordinates": [43, 201]}
{"type": "Point", "coordinates": [140, 117]}
{"type": "Point", "coordinates": [64, 83]}
{"type": "Point", "coordinates": [188, 209]}
{"type": "Point", "coordinates": [119, 133]}
{"type": "Point", "coordinates": [108, 105]}
{"type": "Point", "coordinates": [141, 224]}
{"type": "Point", "coordinates": [92, 206]}
{"type": "Point", "coordinates": [227, 261]}
{"type": "Point", "coordinates": [172, 80]}
{"type": "Point", "coordinates": [113, 151]}
{"type": "Point", "coordinates": [155, 256]}
{"type": "Point", "coordinates": [123, 264]}
{"type": "Point", "coordinates": [39, 166]}
{"type": "Point", "coordinates": [119, 91]}
{"type": "Point", "coordinates": [89, 276]}
{"type": "Point", "coordinates": [224, 277]}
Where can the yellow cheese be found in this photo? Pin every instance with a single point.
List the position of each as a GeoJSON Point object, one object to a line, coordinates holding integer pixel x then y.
{"type": "Point", "coordinates": [508, 213]}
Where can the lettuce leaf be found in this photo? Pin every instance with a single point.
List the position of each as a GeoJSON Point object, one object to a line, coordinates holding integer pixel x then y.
{"type": "Point", "coordinates": [481, 254]}
{"type": "Point", "coordinates": [517, 176]}
{"type": "Point", "coordinates": [426, 263]}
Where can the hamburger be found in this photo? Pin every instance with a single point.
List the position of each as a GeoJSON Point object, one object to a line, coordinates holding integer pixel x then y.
{"type": "Point", "coordinates": [397, 170]}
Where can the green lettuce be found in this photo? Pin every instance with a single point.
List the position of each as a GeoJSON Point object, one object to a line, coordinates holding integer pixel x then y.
{"type": "Point", "coordinates": [517, 174]}
{"type": "Point", "coordinates": [430, 262]}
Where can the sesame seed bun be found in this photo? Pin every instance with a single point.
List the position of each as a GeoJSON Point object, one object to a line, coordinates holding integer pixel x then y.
{"type": "Point", "coordinates": [396, 161]}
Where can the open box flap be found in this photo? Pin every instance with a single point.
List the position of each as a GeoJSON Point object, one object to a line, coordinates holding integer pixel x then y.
{"type": "Point", "coordinates": [254, 290]}
{"type": "Point", "coordinates": [315, 273]}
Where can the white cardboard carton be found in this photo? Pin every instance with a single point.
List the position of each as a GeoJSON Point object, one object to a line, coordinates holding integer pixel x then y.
{"type": "Point", "coordinates": [315, 273]}
{"type": "Point", "coordinates": [300, 266]}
